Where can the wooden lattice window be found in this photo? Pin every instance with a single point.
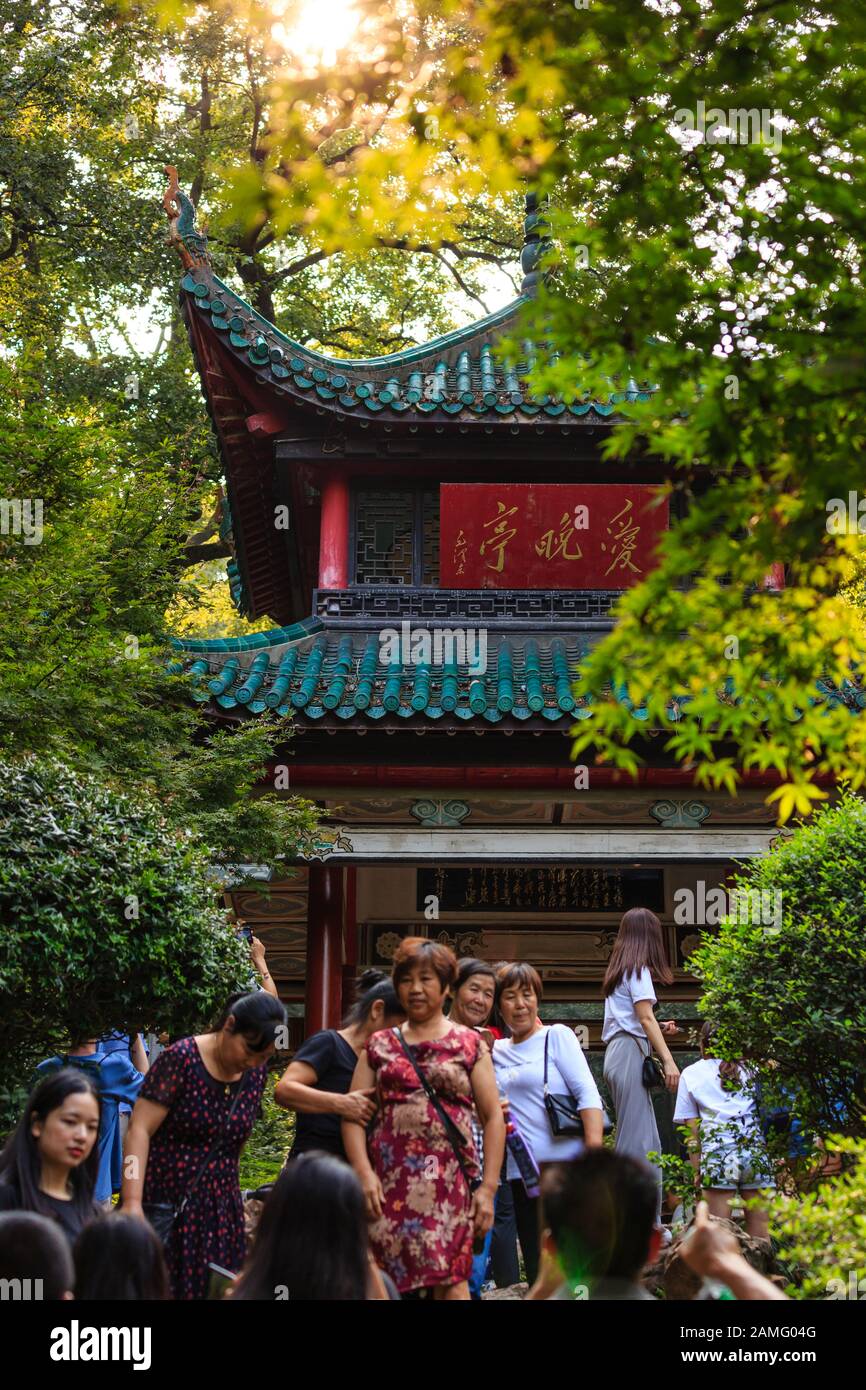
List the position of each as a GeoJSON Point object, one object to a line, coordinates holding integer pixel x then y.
{"type": "Point", "coordinates": [396, 537]}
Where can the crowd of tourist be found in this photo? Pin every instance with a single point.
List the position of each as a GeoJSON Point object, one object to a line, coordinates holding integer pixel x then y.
{"type": "Point", "coordinates": [440, 1131]}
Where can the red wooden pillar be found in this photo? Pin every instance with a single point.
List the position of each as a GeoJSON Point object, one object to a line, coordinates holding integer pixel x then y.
{"type": "Point", "coordinates": [334, 534]}
{"type": "Point", "coordinates": [324, 988]}
{"type": "Point", "coordinates": [350, 938]}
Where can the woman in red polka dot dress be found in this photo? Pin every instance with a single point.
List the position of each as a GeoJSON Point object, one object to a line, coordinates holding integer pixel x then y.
{"type": "Point", "coordinates": [199, 1091]}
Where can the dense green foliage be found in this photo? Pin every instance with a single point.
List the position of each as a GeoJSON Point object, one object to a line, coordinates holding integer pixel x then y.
{"type": "Point", "coordinates": [109, 918]}
{"type": "Point", "coordinates": [795, 994]}
{"type": "Point", "coordinates": [823, 1232]}
{"type": "Point", "coordinates": [100, 86]}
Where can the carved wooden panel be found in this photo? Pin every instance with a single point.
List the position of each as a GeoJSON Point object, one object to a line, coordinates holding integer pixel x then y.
{"type": "Point", "coordinates": [635, 810]}
{"type": "Point", "coordinates": [286, 946]}
{"type": "Point", "coordinates": [687, 940]}
{"type": "Point", "coordinates": [545, 947]}
{"type": "Point", "coordinates": [285, 903]}
{"type": "Point", "coordinates": [285, 967]}
{"type": "Point", "coordinates": [374, 810]}
{"type": "Point", "coordinates": [283, 936]}
{"type": "Point", "coordinates": [383, 940]}
{"type": "Point", "coordinates": [510, 812]}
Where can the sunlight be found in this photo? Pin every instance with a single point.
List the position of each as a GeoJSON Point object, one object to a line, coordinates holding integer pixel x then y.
{"type": "Point", "coordinates": [315, 30]}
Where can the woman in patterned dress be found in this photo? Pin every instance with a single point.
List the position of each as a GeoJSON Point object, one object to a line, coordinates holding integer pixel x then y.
{"type": "Point", "coordinates": [182, 1111]}
{"type": "Point", "coordinates": [423, 1212]}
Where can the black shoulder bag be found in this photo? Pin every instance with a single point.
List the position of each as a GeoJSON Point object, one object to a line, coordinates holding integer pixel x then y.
{"type": "Point", "coordinates": [652, 1073]}
{"type": "Point", "coordinates": [563, 1112]}
{"type": "Point", "coordinates": [163, 1215]}
{"type": "Point", "coordinates": [455, 1138]}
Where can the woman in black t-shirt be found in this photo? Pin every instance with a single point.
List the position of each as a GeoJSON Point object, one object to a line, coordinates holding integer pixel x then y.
{"type": "Point", "coordinates": [50, 1162]}
{"type": "Point", "coordinates": [316, 1083]}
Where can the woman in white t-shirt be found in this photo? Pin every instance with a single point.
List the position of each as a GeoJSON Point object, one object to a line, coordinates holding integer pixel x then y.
{"type": "Point", "coordinates": [726, 1145]}
{"type": "Point", "coordinates": [519, 1065]}
{"type": "Point", "coordinates": [631, 1032]}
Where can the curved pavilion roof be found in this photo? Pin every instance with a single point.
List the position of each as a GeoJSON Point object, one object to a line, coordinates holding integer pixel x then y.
{"type": "Point", "coordinates": [454, 377]}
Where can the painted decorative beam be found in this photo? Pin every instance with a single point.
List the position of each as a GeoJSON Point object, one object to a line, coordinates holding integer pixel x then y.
{"type": "Point", "coordinates": [538, 778]}
{"type": "Point", "coordinates": [550, 844]}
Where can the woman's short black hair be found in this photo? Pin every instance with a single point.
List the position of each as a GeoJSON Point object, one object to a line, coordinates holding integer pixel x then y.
{"type": "Point", "coordinates": [119, 1256]}
{"type": "Point", "coordinates": [20, 1162]}
{"type": "Point", "coordinates": [600, 1209]}
{"type": "Point", "coordinates": [372, 986]}
{"type": "Point", "coordinates": [311, 1240]}
{"type": "Point", "coordinates": [257, 1016]}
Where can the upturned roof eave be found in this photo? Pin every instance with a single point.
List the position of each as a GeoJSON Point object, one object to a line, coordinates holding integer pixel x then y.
{"type": "Point", "coordinates": [386, 363]}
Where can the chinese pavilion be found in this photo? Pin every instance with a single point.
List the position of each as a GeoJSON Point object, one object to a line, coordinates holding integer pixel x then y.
{"type": "Point", "coordinates": [437, 549]}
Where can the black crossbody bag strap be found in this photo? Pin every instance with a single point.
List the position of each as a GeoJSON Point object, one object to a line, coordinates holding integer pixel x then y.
{"type": "Point", "coordinates": [447, 1123]}
{"type": "Point", "coordinates": [567, 1087]}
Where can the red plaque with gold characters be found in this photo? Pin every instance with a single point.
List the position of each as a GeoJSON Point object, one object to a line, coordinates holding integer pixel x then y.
{"type": "Point", "coordinates": [548, 535]}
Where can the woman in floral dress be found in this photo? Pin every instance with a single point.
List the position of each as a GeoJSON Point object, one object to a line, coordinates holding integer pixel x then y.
{"type": "Point", "coordinates": [183, 1113]}
{"type": "Point", "coordinates": [424, 1214]}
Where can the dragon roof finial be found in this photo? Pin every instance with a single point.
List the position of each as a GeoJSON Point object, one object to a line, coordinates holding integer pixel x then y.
{"type": "Point", "coordinates": [191, 245]}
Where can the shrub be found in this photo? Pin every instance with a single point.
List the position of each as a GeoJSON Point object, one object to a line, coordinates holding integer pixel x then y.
{"type": "Point", "coordinates": [793, 993]}
{"type": "Point", "coordinates": [108, 919]}
{"type": "Point", "coordinates": [823, 1231]}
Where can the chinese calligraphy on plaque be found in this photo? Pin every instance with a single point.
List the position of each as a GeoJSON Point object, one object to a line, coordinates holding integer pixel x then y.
{"type": "Point", "coordinates": [497, 539]}
{"type": "Point", "coordinates": [548, 535]}
{"type": "Point", "coordinates": [459, 554]}
{"type": "Point", "coordinates": [568, 889]}
{"type": "Point", "coordinates": [540, 888]}
{"type": "Point", "coordinates": [624, 537]}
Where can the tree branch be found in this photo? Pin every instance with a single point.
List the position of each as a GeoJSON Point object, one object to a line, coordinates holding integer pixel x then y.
{"type": "Point", "coordinates": [197, 554]}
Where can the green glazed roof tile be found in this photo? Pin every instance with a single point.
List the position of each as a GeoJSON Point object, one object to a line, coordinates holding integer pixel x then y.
{"type": "Point", "coordinates": [317, 673]}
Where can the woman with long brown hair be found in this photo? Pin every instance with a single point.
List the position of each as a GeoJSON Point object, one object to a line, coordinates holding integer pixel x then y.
{"type": "Point", "coordinates": [631, 1032]}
